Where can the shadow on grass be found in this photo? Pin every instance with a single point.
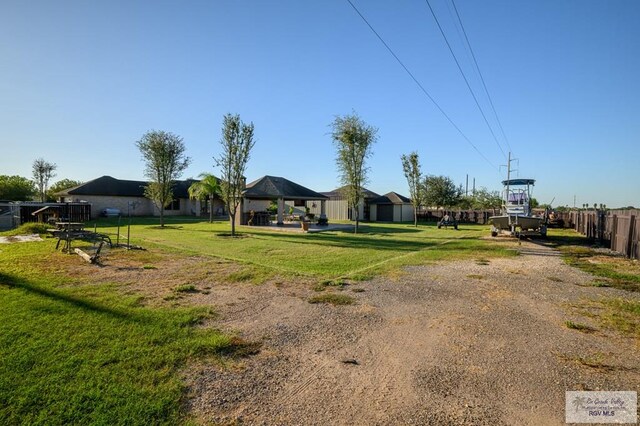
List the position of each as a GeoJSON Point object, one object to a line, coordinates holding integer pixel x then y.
{"type": "Point", "coordinates": [349, 241]}
{"type": "Point", "coordinates": [20, 283]}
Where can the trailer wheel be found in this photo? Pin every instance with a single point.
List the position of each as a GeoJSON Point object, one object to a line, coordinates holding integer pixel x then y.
{"type": "Point", "coordinates": [494, 233]}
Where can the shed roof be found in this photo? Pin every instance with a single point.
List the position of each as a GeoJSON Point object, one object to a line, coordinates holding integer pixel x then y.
{"type": "Point", "coordinates": [390, 198]}
{"type": "Point", "coordinates": [270, 187]}
{"type": "Point", "coordinates": [107, 185]}
{"type": "Point", "coordinates": [337, 193]}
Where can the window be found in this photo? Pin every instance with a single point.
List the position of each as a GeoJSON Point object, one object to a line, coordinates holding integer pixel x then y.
{"type": "Point", "coordinates": [174, 205]}
{"type": "Point", "coordinates": [299, 203]}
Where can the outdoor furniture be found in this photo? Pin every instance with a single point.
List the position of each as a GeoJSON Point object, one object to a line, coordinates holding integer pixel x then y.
{"type": "Point", "coordinates": [259, 219]}
{"type": "Point", "coordinates": [70, 226]}
{"type": "Point", "coordinates": [69, 235]}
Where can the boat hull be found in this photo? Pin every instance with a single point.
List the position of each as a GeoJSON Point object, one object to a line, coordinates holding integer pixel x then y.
{"type": "Point", "coordinates": [513, 222]}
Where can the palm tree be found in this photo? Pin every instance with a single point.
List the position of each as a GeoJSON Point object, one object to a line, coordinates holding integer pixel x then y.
{"type": "Point", "coordinates": [207, 187]}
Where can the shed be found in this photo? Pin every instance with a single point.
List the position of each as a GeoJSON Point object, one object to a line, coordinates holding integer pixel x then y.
{"type": "Point", "coordinates": [338, 206]}
{"type": "Point", "coordinates": [391, 207]}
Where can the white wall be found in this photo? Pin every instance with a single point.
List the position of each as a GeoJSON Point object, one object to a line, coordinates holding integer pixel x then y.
{"type": "Point", "coordinates": [373, 212]}
{"type": "Point", "coordinates": [403, 213]}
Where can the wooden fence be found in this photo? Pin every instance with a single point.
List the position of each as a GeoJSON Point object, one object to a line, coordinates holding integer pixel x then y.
{"type": "Point", "coordinates": [462, 216]}
{"type": "Point", "coordinates": [618, 230]}
{"type": "Point", "coordinates": [72, 212]}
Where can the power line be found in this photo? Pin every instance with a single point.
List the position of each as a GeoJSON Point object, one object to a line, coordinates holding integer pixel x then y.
{"type": "Point", "coordinates": [455, 58]}
{"type": "Point", "coordinates": [481, 77]}
{"type": "Point", "coordinates": [419, 84]}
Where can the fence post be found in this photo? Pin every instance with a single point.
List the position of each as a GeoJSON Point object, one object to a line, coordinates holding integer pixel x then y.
{"type": "Point", "coordinates": [614, 232]}
{"type": "Point", "coordinates": [632, 223]}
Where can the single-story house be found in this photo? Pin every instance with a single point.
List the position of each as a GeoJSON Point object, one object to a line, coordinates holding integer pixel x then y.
{"type": "Point", "coordinates": [391, 207]}
{"type": "Point", "coordinates": [258, 195]}
{"type": "Point", "coordinates": [338, 206]}
{"type": "Point", "coordinates": [128, 196]}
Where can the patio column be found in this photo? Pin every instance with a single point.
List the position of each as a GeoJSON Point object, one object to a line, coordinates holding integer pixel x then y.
{"type": "Point", "coordinates": [280, 210]}
{"type": "Point", "coordinates": [323, 208]}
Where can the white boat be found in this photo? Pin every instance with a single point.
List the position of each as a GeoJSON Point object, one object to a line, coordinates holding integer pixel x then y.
{"type": "Point", "coordinates": [516, 217]}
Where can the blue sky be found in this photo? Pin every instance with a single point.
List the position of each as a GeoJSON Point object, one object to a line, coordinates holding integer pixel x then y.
{"type": "Point", "coordinates": [81, 81]}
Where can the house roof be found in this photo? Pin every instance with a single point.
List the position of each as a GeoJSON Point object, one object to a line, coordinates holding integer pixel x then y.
{"type": "Point", "coordinates": [270, 187]}
{"type": "Point", "coordinates": [337, 193]}
{"type": "Point", "coordinates": [390, 198]}
{"type": "Point", "coordinates": [107, 185]}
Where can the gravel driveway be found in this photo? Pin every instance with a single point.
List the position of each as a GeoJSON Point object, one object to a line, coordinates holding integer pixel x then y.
{"type": "Point", "coordinates": [455, 343]}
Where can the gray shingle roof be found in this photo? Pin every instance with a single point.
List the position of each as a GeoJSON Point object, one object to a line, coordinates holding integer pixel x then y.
{"type": "Point", "coordinates": [390, 198]}
{"type": "Point", "coordinates": [337, 194]}
{"type": "Point", "coordinates": [107, 185]}
{"type": "Point", "coordinates": [270, 187]}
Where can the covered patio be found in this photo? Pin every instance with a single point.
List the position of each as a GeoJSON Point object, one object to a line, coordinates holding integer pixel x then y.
{"type": "Point", "coordinates": [259, 194]}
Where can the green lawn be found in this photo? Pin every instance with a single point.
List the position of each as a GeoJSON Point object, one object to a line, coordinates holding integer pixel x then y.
{"type": "Point", "coordinates": [78, 353]}
{"type": "Point", "coordinates": [330, 254]}
{"type": "Point", "coordinates": [74, 351]}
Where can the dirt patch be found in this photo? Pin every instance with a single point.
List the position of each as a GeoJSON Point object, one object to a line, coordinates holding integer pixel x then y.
{"type": "Point", "coordinates": [20, 239]}
{"type": "Point", "coordinates": [432, 347]}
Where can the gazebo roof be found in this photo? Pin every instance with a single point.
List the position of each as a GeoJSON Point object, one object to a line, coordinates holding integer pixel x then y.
{"type": "Point", "coordinates": [272, 187]}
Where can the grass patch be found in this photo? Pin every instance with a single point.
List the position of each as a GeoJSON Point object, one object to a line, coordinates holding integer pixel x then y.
{"type": "Point", "coordinates": [358, 290]}
{"type": "Point", "coordinates": [78, 352]}
{"type": "Point", "coordinates": [250, 274]}
{"type": "Point", "coordinates": [622, 315]}
{"type": "Point", "coordinates": [482, 262]}
{"type": "Point", "coordinates": [613, 270]}
{"type": "Point", "coordinates": [27, 229]}
{"type": "Point", "coordinates": [333, 299]}
{"type": "Point", "coordinates": [149, 267]}
{"type": "Point", "coordinates": [186, 288]}
{"type": "Point", "coordinates": [580, 327]}
{"type": "Point", "coordinates": [595, 361]}
{"type": "Point", "coordinates": [476, 276]}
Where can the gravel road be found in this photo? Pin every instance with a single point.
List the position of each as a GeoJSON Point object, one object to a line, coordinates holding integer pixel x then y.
{"type": "Point", "coordinates": [453, 343]}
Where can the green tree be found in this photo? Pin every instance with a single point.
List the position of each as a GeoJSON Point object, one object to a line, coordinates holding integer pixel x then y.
{"type": "Point", "coordinates": [485, 199]}
{"type": "Point", "coordinates": [353, 139]}
{"type": "Point", "coordinates": [413, 173]}
{"type": "Point", "coordinates": [165, 160]}
{"type": "Point", "coordinates": [237, 142]}
{"type": "Point", "coordinates": [16, 188]}
{"type": "Point", "coordinates": [43, 171]}
{"type": "Point", "coordinates": [61, 185]}
{"type": "Point", "coordinates": [440, 191]}
{"type": "Point", "coordinates": [206, 188]}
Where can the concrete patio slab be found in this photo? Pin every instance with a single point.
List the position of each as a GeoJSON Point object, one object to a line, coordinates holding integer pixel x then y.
{"type": "Point", "coordinates": [295, 227]}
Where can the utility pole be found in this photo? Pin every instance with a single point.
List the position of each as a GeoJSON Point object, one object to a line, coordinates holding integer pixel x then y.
{"type": "Point", "coordinates": [508, 177]}
{"type": "Point", "coordinates": [474, 186]}
{"type": "Point", "coordinates": [466, 187]}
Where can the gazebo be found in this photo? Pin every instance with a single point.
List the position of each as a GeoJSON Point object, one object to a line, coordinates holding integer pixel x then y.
{"type": "Point", "coordinates": [259, 194]}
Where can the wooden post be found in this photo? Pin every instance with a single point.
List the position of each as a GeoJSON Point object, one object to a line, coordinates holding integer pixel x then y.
{"type": "Point", "coordinates": [614, 232]}
{"type": "Point", "coordinates": [83, 255]}
{"type": "Point", "coordinates": [632, 223]}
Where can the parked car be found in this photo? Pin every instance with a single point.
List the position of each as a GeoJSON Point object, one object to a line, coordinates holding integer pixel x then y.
{"type": "Point", "coordinates": [110, 212]}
